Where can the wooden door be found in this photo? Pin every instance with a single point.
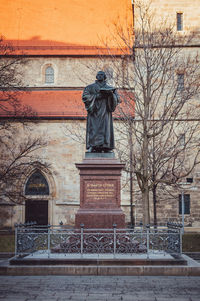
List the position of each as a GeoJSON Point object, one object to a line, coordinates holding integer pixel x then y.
{"type": "Point", "coordinates": [36, 211]}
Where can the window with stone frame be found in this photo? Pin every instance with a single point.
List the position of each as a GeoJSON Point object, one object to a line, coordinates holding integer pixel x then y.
{"type": "Point", "coordinates": [180, 81]}
{"type": "Point", "coordinates": [186, 204]}
{"type": "Point", "coordinates": [49, 75]}
{"type": "Point", "coordinates": [189, 180]}
{"type": "Point", "coordinates": [109, 74]}
{"type": "Point", "coordinates": [179, 21]}
{"type": "Point", "coordinates": [181, 140]}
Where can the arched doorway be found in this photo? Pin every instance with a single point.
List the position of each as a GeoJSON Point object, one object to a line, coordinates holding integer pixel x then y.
{"type": "Point", "coordinates": [36, 208]}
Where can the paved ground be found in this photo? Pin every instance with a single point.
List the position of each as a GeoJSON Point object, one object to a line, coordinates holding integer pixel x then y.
{"type": "Point", "coordinates": [99, 288]}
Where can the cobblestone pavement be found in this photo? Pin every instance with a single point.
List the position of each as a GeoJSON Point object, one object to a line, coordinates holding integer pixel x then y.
{"type": "Point", "coordinates": [99, 288]}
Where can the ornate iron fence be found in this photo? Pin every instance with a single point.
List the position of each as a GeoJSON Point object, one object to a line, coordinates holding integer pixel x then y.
{"type": "Point", "coordinates": [31, 239]}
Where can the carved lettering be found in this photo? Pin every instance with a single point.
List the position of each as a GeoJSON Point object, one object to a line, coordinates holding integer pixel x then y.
{"type": "Point", "coordinates": [100, 191]}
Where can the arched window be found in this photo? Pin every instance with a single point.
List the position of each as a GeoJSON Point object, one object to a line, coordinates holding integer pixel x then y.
{"type": "Point", "coordinates": [49, 75]}
{"type": "Point", "coordinates": [109, 74]}
{"type": "Point", "coordinates": [37, 185]}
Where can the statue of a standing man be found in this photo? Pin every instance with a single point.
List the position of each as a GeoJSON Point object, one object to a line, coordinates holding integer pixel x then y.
{"type": "Point", "coordinates": [100, 101]}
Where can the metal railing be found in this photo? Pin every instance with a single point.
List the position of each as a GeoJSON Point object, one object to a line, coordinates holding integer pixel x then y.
{"type": "Point", "coordinates": [51, 240]}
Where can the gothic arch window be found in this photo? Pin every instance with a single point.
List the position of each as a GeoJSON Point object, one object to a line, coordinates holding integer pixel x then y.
{"type": "Point", "coordinates": [109, 74]}
{"type": "Point", "coordinates": [37, 184]}
{"type": "Point", "coordinates": [49, 75]}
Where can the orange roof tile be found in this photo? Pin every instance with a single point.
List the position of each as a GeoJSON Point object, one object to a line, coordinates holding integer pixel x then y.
{"type": "Point", "coordinates": [47, 104]}
{"type": "Point", "coordinates": [53, 104]}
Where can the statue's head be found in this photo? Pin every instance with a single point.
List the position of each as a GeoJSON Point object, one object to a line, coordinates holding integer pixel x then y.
{"type": "Point", "coordinates": [101, 76]}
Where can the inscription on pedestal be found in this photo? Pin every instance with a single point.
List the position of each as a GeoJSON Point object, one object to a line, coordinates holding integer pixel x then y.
{"type": "Point", "coordinates": [98, 190]}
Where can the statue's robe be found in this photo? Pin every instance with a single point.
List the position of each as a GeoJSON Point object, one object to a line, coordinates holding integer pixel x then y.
{"type": "Point", "coordinates": [99, 131]}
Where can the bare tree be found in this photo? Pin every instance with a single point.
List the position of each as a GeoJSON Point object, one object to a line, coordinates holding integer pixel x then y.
{"type": "Point", "coordinates": [163, 78]}
{"type": "Point", "coordinates": [11, 82]}
{"type": "Point", "coordinates": [18, 157]}
{"type": "Point", "coordinates": [17, 144]}
{"type": "Point", "coordinates": [159, 79]}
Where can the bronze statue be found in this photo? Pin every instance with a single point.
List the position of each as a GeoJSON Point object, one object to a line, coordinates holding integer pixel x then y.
{"type": "Point", "coordinates": [100, 101]}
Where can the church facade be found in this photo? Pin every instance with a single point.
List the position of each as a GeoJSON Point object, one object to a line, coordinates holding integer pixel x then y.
{"type": "Point", "coordinates": [56, 71]}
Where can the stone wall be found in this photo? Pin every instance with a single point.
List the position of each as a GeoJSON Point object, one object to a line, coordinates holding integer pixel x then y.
{"type": "Point", "coordinates": [69, 72]}
{"type": "Point", "coordinates": [168, 9]}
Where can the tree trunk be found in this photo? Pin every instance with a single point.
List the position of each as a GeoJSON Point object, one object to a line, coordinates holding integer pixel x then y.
{"type": "Point", "coordinates": [145, 189]}
{"type": "Point", "coordinates": [145, 199]}
{"type": "Point", "coordinates": [131, 201]}
{"type": "Point", "coordinates": [154, 206]}
{"type": "Point", "coordinates": [131, 174]}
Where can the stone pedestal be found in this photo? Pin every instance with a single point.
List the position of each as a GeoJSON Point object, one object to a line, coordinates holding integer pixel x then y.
{"type": "Point", "coordinates": [100, 192]}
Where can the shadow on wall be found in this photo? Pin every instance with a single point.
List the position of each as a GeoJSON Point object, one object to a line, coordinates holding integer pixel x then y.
{"type": "Point", "coordinates": [35, 45]}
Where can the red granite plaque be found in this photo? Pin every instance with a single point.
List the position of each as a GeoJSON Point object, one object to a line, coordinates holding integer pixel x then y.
{"type": "Point", "coordinates": [100, 193]}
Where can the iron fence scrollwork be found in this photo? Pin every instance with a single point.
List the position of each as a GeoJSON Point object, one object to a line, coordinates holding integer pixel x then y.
{"type": "Point", "coordinates": [32, 239]}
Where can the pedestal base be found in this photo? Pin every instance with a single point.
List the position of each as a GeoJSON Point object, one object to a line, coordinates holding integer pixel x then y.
{"type": "Point", "coordinates": [100, 192]}
{"type": "Point", "coordinates": [97, 219]}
